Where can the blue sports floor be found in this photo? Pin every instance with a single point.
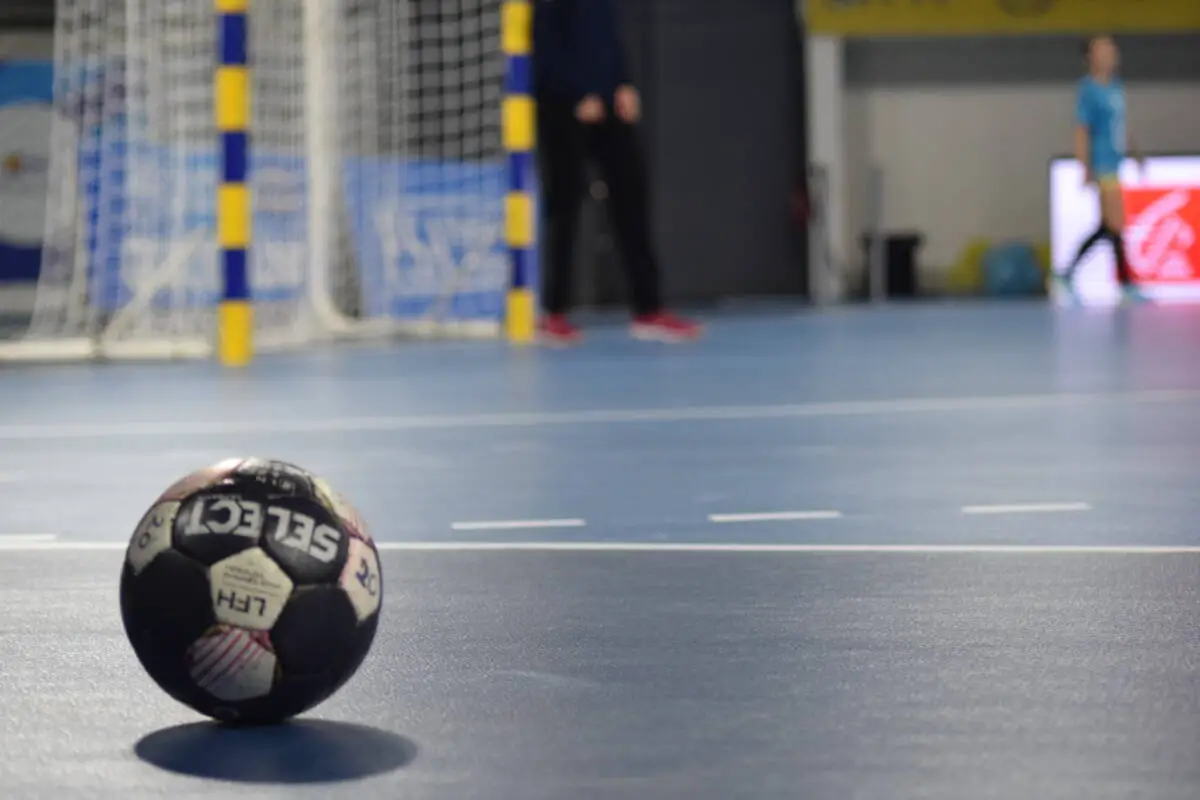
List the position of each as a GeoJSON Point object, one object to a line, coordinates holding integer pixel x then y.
{"type": "Point", "coordinates": [902, 552]}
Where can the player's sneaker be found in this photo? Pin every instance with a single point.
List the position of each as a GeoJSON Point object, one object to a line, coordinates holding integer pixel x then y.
{"type": "Point", "coordinates": [664, 327]}
{"type": "Point", "coordinates": [1132, 295]}
{"type": "Point", "coordinates": [557, 330]}
{"type": "Point", "coordinates": [1064, 290]}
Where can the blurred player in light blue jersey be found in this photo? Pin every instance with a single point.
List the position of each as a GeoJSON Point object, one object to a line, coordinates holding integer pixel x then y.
{"type": "Point", "coordinates": [1101, 144]}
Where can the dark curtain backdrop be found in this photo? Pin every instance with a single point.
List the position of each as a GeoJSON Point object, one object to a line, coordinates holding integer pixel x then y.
{"type": "Point", "coordinates": [15, 14]}
{"type": "Point", "coordinates": [723, 84]}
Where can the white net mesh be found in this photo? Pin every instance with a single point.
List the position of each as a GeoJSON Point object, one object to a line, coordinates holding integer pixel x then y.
{"type": "Point", "coordinates": [424, 172]}
{"type": "Point", "coordinates": [376, 173]}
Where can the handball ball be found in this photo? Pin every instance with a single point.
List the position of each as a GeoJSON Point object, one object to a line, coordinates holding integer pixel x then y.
{"type": "Point", "coordinates": [251, 591]}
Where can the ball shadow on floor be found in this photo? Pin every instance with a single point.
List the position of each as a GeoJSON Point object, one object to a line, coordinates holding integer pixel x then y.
{"type": "Point", "coordinates": [304, 751]}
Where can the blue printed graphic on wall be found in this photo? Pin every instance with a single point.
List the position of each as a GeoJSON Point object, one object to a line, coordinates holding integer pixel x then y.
{"type": "Point", "coordinates": [428, 237]}
{"type": "Point", "coordinates": [152, 227]}
{"type": "Point", "coordinates": [25, 123]}
{"type": "Point", "coordinates": [149, 209]}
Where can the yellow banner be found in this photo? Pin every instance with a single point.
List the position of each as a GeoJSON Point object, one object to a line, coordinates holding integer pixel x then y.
{"type": "Point", "coordinates": [863, 18]}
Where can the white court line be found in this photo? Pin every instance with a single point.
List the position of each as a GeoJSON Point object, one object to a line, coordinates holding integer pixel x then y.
{"type": "Point", "coordinates": [930, 405]}
{"type": "Point", "coordinates": [26, 538]}
{"type": "Point", "coordinates": [774, 516]}
{"type": "Point", "coordinates": [699, 547]}
{"type": "Point", "coordinates": [717, 547]}
{"type": "Point", "coordinates": [516, 524]}
{"type": "Point", "coordinates": [1027, 508]}
{"type": "Point", "coordinates": [51, 545]}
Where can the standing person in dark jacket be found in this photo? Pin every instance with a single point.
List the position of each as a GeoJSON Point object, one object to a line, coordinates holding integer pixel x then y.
{"type": "Point", "coordinates": [587, 107]}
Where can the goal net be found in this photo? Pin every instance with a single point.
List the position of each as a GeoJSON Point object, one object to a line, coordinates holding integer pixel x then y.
{"type": "Point", "coordinates": [376, 173]}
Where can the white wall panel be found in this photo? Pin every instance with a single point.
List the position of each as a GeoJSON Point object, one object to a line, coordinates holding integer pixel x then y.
{"type": "Point", "coordinates": [827, 147]}
{"type": "Point", "coordinates": [963, 130]}
{"type": "Point", "coordinates": [961, 162]}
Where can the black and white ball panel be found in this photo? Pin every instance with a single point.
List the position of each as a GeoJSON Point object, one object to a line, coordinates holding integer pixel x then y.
{"type": "Point", "coordinates": [362, 579]}
{"type": "Point", "coordinates": [249, 590]}
{"type": "Point", "coordinates": [205, 476]}
{"type": "Point", "coordinates": [318, 628]}
{"type": "Point", "coordinates": [300, 533]}
{"type": "Point", "coordinates": [161, 632]}
{"type": "Point", "coordinates": [345, 513]}
{"type": "Point", "coordinates": [218, 522]}
{"type": "Point", "coordinates": [232, 664]}
{"type": "Point", "coordinates": [275, 478]}
{"type": "Point", "coordinates": [307, 540]}
{"type": "Point", "coordinates": [152, 535]}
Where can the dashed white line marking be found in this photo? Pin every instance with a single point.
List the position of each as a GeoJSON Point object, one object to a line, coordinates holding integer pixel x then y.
{"type": "Point", "coordinates": [26, 538]}
{"type": "Point", "coordinates": [774, 516]}
{"type": "Point", "coordinates": [1027, 508]}
{"type": "Point", "coordinates": [517, 524]}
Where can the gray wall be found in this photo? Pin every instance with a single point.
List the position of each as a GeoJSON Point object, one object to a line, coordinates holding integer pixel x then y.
{"type": "Point", "coordinates": [722, 83]}
{"type": "Point", "coordinates": [31, 44]}
{"type": "Point", "coordinates": [986, 60]}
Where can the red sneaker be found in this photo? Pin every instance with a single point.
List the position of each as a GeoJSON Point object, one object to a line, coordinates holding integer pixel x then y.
{"type": "Point", "coordinates": [556, 329]}
{"type": "Point", "coordinates": [664, 327]}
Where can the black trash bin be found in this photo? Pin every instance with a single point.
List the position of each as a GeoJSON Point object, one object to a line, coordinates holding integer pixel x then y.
{"type": "Point", "coordinates": [899, 263]}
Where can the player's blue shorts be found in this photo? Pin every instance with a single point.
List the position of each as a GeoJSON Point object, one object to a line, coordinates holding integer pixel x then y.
{"type": "Point", "coordinates": [1106, 173]}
